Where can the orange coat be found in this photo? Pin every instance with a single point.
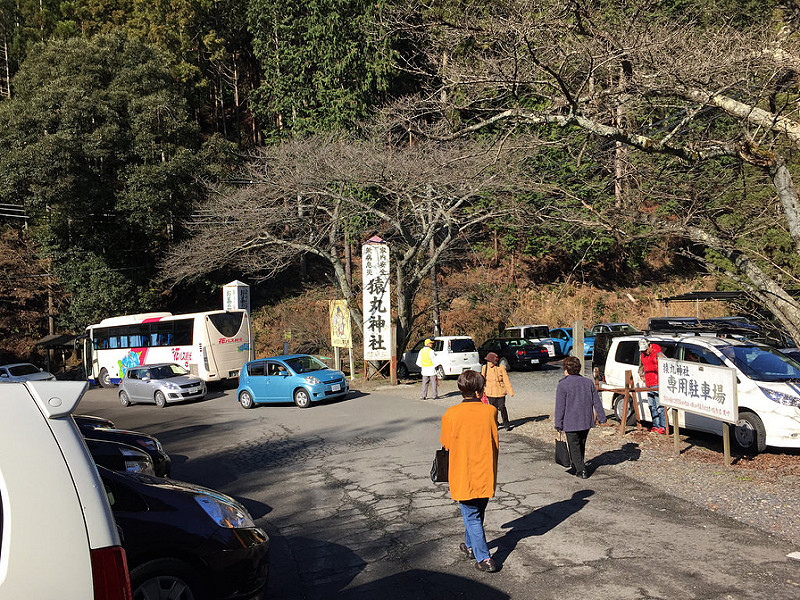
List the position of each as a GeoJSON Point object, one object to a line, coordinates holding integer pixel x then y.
{"type": "Point", "coordinates": [469, 432]}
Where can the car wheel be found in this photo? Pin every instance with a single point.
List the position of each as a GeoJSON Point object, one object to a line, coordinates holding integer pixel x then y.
{"type": "Point", "coordinates": [749, 435]}
{"type": "Point", "coordinates": [402, 370]}
{"type": "Point", "coordinates": [105, 379]}
{"type": "Point", "coordinates": [440, 372]}
{"type": "Point", "coordinates": [124, 399]}
{"type": "Point", "coordinates": [504, 364]}
{"type": "Point", "coordinates": [571, 352]}
{"type": "Point", "coordinates": [301, 398]}
{"type": "Point", "coordinates": [161, 400]}
{"type": "Point", "coordinates": [165, 579]}
{"type": "Point", "coordinates": [618, 404]}
{"type": "Point", "coordinates": [246, 400]}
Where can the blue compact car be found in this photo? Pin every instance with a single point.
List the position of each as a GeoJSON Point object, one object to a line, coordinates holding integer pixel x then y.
{"type": "Point", "coordinates": [297, 378]}
{"type": "Point", "coordinates": [562, 340]}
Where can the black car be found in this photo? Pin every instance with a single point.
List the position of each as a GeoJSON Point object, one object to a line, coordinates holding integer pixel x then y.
{"type": "Point", "coordinates": [515, 354]}
{"type": "Point", "coordinates": [120, 457]}
{"type": "Point", "coordinates": [94, 428]}
{"type": "Point", "coordinates": [185, 541]}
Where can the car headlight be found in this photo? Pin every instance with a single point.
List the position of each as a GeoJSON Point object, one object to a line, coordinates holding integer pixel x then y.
{"type": "Point", "coordinates": [312, 380]}
{"type": "Point", "coordinates": [781, 398]}
{"type": "Point", "coordinates": [224, 513]}
{"type": "Point", "coordinates": [171, 385]}
{"type": "Point", "coordinates": [137, 462]}
{"type": "Point", "coordinates": [148, 445]}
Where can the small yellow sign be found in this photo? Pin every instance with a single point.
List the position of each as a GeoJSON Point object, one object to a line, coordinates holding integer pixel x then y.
{"type": "Point", "coordinates": [340, 324]}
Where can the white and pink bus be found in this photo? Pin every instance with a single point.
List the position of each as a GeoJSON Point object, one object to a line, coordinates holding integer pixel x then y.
{"type": "Point", "coordinates": [213, 345]}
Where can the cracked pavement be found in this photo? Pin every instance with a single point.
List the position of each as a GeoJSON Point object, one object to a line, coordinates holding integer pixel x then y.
{"type": "Point", "coordinates": [343, 490]}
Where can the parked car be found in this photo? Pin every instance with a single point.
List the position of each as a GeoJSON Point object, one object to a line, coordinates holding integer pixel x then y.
{"type": "Point", "coordinates": [515, 354]}
{"type": "Point", "coordinates": [120, 457]}
{"type": "Point", "coordinates": [298, 378]}
{"type": "Point", "coordinates": [563, 342]}
{"type": "Point", "coordinates": [184, 541]}
{"type": "Point", "coordinates": [59, 539]}
{"type": "Point", "coordinates": [767, 386]}
{"type": "Point", "coordinates": [534, 334]}
{"type": "Point", "coordinates": [614, 327]}
{"type": "Point", "coordinates": [18, 372]}
{"type": "Point", "coordinates": [453, 354]}
{"type": "Point", "coordinates": [160, 384]}
{"type": "Point", "coordinates": [162, 464]}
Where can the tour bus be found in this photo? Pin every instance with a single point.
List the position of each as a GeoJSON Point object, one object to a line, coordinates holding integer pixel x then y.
{"type": "Point", "coordinates": [213, 345]}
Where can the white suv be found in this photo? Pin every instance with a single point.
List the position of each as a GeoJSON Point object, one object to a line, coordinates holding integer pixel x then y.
{"type": "Point", "coordinates": [453, 354]}
{"type": "Point", "coordinates": [535, 334]}
{"type": "Point", "coordinates": [57, 534]}
{"type": "Point", "coordinates": [768, 385]}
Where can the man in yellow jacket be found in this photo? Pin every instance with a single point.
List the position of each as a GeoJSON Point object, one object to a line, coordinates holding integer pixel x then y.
{"type": "Point", "coordinates": [469, 432]}
{"type": "Point", "coordinates": [428, 370]}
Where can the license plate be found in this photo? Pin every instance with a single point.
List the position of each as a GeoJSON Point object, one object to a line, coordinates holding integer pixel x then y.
{"type": "Point", "coordinates": [336, 387]}
{"type": "Point", "coordinates": [535, 361]}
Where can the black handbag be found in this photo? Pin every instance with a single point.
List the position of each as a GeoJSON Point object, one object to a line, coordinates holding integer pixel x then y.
{"type": "Point", "coordinates": [441, 466]}
{"type": "Point", "coordinates": [562, 452]}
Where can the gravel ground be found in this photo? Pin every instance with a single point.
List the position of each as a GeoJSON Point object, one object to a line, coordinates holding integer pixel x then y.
{"type": "Point", "coordinates": [762, 491]}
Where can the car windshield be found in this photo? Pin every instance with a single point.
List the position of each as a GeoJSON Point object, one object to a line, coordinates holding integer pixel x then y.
{"type": "Point", "coordinates": [303, 364]}
{"type": "Point", "coordinates": [167, 371]}
{"type": "Point", "coordinates": [761, 363]}
{"type": "Point", "coordinates": [625, 327]}
{"type": "Point", "coordinates": [26, 369]}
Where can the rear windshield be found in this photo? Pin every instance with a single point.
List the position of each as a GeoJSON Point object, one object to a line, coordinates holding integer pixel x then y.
{"type": "Point", "coordinates": [761, 363]}
{"type": "Point", "coordinates": [465, 345]}
{"type": "Point", "coordinates": [228, 324]}
{"type": "Point", "coordinates": [537, 332]}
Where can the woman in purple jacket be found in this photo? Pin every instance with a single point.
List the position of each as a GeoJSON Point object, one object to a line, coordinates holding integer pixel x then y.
{"type": "Point", "coordinates": [577, 402]}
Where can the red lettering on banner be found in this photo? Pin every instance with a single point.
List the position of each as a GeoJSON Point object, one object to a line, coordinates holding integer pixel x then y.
{"type": "Point", "coordinates": [179, 356]}
{"type": "Point", "coordinates": [230, 340]}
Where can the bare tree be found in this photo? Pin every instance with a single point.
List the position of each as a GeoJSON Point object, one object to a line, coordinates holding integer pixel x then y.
{"type": "Point", "coordinates": [303, 196]}
{"type": "Point", "coordinates": [710, 117]}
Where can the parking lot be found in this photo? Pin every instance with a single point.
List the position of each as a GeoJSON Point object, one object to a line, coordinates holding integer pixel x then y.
{"type": "Point", "coordinates": [343, 490]}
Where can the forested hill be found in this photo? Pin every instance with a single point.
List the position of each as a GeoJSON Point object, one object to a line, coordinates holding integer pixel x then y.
{"type": "Point", "coordinates": [151, 151]}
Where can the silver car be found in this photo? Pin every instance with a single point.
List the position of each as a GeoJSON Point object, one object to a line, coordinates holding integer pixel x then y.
{"type": "Point", "coordinates": [24, 372]}
{"type": "Point", "coordinates": [160, 384]}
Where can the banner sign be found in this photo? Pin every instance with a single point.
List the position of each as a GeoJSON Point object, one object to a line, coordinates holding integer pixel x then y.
{"type": "Point", "coordinates": [377, 307]}
{"type": "Point", "coordinates": [698, 388]}
{"type": "Point", "coordinates": [339, 316]}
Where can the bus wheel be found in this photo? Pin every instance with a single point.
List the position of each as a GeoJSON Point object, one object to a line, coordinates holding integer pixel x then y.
{"type": "Point", "coordinates": [301, 398]}
{"type": "Point", "coordinates": [123, 399]}
{"type": "Point", "coordinates": [105, 379]}
{"type": "Point", "coordinates": [161, 400]}
{"type": "Point", "coordinates": [246, 400]}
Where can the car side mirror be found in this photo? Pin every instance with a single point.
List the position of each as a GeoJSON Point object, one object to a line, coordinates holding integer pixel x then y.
{"type": "Point", "coordinates": [146, 378]}
{"type": "Point", "coordinates": [4, 375]}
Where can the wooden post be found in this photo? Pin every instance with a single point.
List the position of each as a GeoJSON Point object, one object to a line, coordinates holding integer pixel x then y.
{"type": "Point", "coordinates": [726, 443]}
{"type": "Point", "coordinates": [676, 431]}
{"type": "Point", "coordinates": [393, 364]}
{"type": "Point", "coordinates": [337, 358]}
{"type": "Point", "coordinates": [352, 367]}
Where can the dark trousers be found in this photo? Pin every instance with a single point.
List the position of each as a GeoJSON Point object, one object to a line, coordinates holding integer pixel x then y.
{"type": "Point", "coordinates": [576, 440]}
{"type": "Point", "coordinates": [500, 405]}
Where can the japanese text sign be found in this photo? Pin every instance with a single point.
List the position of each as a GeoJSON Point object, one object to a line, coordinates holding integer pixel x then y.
{"type": "Point", "coordinates": [377, 308]}
{"type": "Point", "coordinates": [698, 388]}
{"type": "Point", "coordinates": [339, 316]}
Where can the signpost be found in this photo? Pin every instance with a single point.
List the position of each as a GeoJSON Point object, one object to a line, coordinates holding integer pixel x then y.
{"type": "Point", "coordinates": [700, 389]}
{"type": "Point", "coordinates": [377, 305]}
{"type": "Point", "coordinates": [341, 333]}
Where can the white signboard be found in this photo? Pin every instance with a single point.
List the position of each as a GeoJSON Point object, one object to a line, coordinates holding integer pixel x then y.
{"type": "Point", "coordinates": [377, 308]}
{"type": "Point", "coordinates": [235, 296]}
{"type": "Point", "coordinates": [698, 388]}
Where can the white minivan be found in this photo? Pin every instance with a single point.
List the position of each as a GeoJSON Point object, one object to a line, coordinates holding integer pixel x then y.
{"type": "Point", "coordinates": [453, 354]}
{"type": "Point", "coordinates": [536, 334]}
{"type": "Point", "coordinates": [58, 538]}
{"type": "Point", "coordinates": [768, 386]}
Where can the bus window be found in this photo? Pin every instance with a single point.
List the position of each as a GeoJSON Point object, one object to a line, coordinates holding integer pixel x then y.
{"type": "Point", "coordinates": [227, 324]}
{"type": "Point", "coordinates": [184, 333]}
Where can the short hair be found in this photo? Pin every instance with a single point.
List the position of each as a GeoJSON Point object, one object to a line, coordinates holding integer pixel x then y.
{"type": "Point", "coordinates": [470, 382]}
{"type": "Point", "coordinates": [572, 365]}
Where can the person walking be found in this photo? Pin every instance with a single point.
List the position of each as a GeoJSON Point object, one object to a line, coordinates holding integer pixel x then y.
{"type": "Point", "coordinates": [498, 385]}
{"type": "Point", "coordinates": [649, 370]}
{"type": "Point", "coordinates": [577, 403]}
{"type": "Point", "coordinates": [428, 370]}
{"type": "Point", "coordinates": [469, 432]}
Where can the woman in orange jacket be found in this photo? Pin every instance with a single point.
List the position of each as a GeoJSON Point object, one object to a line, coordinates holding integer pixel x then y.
{"type": "Point", "coordinates": [469, 432]}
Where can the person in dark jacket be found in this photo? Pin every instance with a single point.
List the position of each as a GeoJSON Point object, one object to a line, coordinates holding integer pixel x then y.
{"type": "Point", "coordinates": [577, 403]}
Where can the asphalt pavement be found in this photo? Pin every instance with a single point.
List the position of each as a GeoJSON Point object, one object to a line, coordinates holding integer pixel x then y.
{"type": "Point", "coordinates": [344, 492]}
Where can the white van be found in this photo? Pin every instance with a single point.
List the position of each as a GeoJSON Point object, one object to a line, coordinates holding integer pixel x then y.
{"type": "Point", "coordinates": [536, 334]}
{"type": "Point", "coordinates": [768, 387]}
{"type": "Point", "coordinates": [453, 354]}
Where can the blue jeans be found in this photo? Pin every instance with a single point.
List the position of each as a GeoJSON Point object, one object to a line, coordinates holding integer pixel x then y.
{"type": "Point", "coordinates": [656, 410]}
{"type": "Point", "coordinates": [472, 511]}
